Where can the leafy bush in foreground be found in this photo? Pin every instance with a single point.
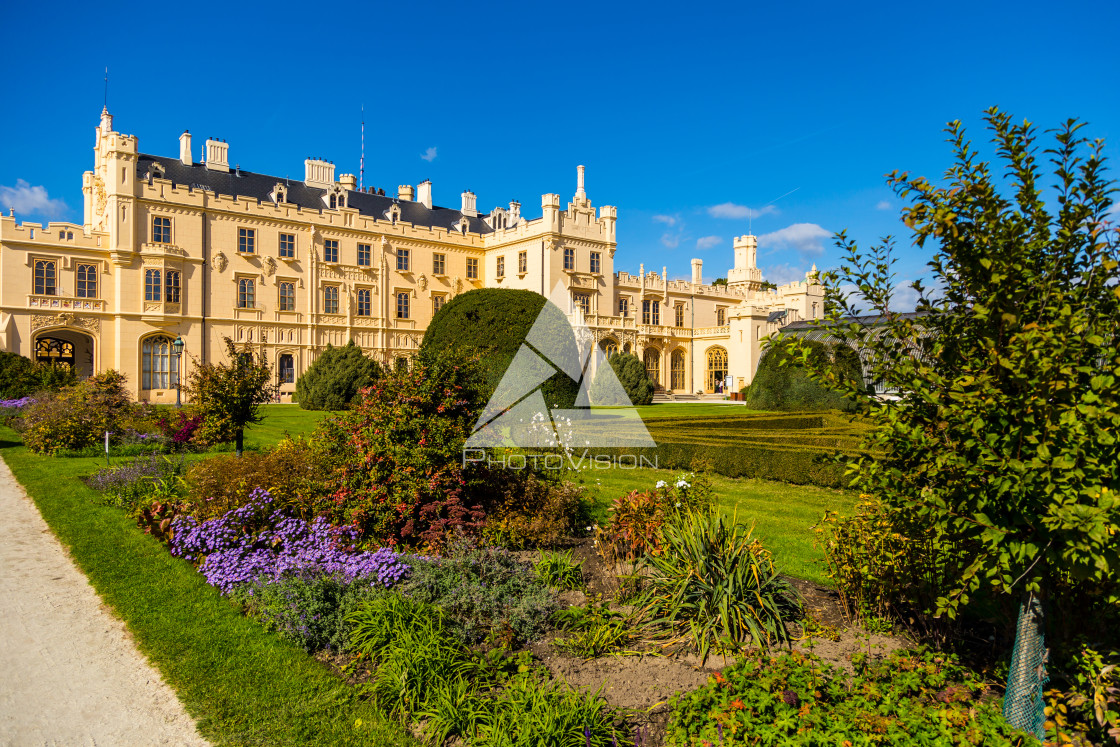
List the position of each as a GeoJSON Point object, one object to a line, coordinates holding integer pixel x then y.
{"type": "Point", "coordinates": [77, 416]}
{"type": "Point", "coordinates": [20, 376]}
{"type": "Point", "coordinates": [911, 698]}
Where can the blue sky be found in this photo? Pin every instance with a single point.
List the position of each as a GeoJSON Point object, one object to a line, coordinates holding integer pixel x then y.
{"type": "Point", "coordinates": [688, 117]}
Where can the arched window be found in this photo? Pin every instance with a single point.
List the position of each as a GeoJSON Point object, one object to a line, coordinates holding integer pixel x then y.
{"type": "Point", "coordinates": [87, 281]}
{"type": "Point", "coordinates": [246, 293]}
{"type": "Point", "coordinates": [652, 359]}
{"type": "Point", "coordinates": [676, 370]}
{"type": "Point", "coordinates": [287, 366]}
{"type": "Point", "coordinates": [45, 278]}
{"type": "Point", "coordinates": [152, 285]}
{"type": "Point", "coordinates": [173, 280]}
{"type": "Point", "coordinates": [364, 301]}
{"type": "Point", "coordinates": [330, 299]}
{"type": "Point", "coordinates": [160, 367]}
{"type": "Point", "coordinates": [54, 350]}
{"type": "Point", "coordinates": [402, 306]}
{"type": "Point", "coordinates": [609, 346]}
{"type": "Point", "coordinates": [717, 367]}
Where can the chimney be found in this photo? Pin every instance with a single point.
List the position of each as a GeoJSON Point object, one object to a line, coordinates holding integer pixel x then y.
{"type": "Point", "coordinates": [185, 148]}
{"type": "Point", "coordinates": [348, 181]}
{"type": "Point", "coordinates": [697, 275]}
{"type": "Point", "coordinates": [318, 173]}
{"type": "Point", "coordinates": [217, 155]}
{"type": "Point", "coordinates": [424, 193]}
{"type": "Point", "coordinates": [404, 192]}
{"type": "Point", "coordinates": [514, 212]}
{"type": "Point", "coordinates": [580, 193]}
{"type": "Point", "coordinates": [469, 203]}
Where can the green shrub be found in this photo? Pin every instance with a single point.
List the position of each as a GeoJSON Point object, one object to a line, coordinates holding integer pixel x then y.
{"type": "Point", "coordinates": [909, 699]}
{"type": "Point", "coordinates": [531, 711]}
{"type": "Point", "coordinates": [310, 609]}
{"type": "Point", "coordinates": [484, 593]}
{"type": "Point", "coordinates": [631, 374]}
{"type": "Point", "coordinates": [634, 528]}
{"type": "Point", "coordinates": [492, 323]}
{"type": "Point", "coordinates": [779, 384]}
{"type": "Point", "coordinates": [530, 511]}
{"type": "Point", "coordinates": [1087, 709]}
{"type": "Point", "coordinates": [592, 630]}
{"type": "Point", "coordinates": [229, 395]}
{"type": "Point", "coordinates": [294, 473]}
{"type": "Point", "coordinates": [558, 571]}
{"type": "Point", "coordinates": [22, 377]}
{"type": "Point", "coordinates": [77, 416]}
{"type": "Point", "coordinates": [397, 455]}
{"type": "Point", "coordinates": [715, 586]}
{"type": "Point", "coordinates": [334, 379]}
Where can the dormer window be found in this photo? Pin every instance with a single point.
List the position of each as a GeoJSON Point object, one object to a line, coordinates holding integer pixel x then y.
{"type": "Point", "coordinates": [462, 225]}
{"type": "Point", "coordinates": [279, 193]}
{"type": "Point", "coordinates": [335, 198]}
{"type": "Point", "coordinates": [393, 213]}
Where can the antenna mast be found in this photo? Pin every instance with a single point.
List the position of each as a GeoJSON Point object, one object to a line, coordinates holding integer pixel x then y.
{"type": "Point", "coordinates": [106, 87]}
{"type": "Point", "coordinates": [362, 162]}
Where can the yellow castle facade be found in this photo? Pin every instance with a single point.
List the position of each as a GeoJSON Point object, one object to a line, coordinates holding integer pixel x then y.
{"type": "Point", "coordinates": [199, 250]}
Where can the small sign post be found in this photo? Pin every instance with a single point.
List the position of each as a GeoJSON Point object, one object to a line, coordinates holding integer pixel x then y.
{"type": "Point", "coordinates": [106, 448]}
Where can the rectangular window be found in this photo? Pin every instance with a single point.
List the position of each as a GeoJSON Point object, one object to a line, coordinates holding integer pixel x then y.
{"type": "Point", "coordinates": [330, 299]}
{"type": "Point", "coordinates": [651, 312]}
{"type": "Point", "coordinates": [472, 269]}
{"type": "Point", "coordinates": [522, 262]}
{"type": "Point", "coordinates": [402, 260]}
{"type": "Point", "coordinates": [721, 317]}
{"type": "Point", "coordinates": [87, 281]}
{"type": "Point", "coordinates": [363, 255]}
{"type": "Point", "coordinates": [437, 303]}
{"type": "Point", "coordinates": [246, 293]}
{"type": "Point", "coordinates": [287, 369]}
{"type": "Point", "coordinates": [364, 302]}
{"type": "Point", "coordinates": [288, 245]}
{"type": "Point", "coordinates": [624, 307]}
{"type": "Point", "coordinates": [439, 264]}
{"type": "Point", "coordinates": [595, 260]}
{"type": "Point", "coordinates": [402, 306]}
{"type": "Point", "coordinates": [583, 302]}
{"type": "Point", "coordinates": [330, 250]}
{"type": "Point", "coordinates": [247, 240]}
{"type": "Point", "coordinates": [287, 296]}
{"type": "Point", "coordinates": [153, 285]}
{"type": "Point", "coordinates": [569, 258]}
{"type": "Point", "coordinates": [45, 278]}
{"type": "Point", "coordinates": [161, 230]}
{"type": "Point", "coordinates": [501, 267]}
{"type": "Point", "coordinates": [173, 280]}
{"type": "Point", "coordinates": [680, 315]}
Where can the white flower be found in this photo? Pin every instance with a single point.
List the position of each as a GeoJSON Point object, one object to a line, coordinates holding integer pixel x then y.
{"type": "Point", "coordinates": [660, 484]}
{"type": "Point", "coordinates": [683, 484]}
{"type": "Point", "coordinates": [678, 504]}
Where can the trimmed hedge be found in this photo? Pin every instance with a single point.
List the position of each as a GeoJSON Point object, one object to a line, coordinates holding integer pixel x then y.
{"type": "Point", "coordinates": [492, 323]}
{"type": "Point", "coordinates": [779, 384]}
{"type": "Point", "coordinates": [334, 379]}
{"type": "Point", "coordinates": [632, 376]}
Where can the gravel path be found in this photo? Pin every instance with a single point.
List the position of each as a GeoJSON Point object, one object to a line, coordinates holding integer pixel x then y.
{"type": "Point", "coordinates": [69, 671]}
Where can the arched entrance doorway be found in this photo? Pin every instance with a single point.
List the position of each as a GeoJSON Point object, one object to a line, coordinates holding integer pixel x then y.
{"type": "Point", "coordinates": [652, 358]}
{"type": "Point", "coordinates": [676, 370]}
{"type": "Point", "coordinates": [65, 347]}
{"type": "Point", "coordinates": [717, 369]}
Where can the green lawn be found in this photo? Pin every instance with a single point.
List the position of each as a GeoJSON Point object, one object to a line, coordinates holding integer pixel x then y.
{"type": "Point", "coordinates": [242, 684]}
{"type": "Point", "coordinates": [782, 514]}
{"type": "Point", "coordinates": [282, 420]}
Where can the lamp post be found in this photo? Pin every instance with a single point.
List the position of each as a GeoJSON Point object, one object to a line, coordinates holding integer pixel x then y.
{"type": "Point", "coordinates": [177, 351]}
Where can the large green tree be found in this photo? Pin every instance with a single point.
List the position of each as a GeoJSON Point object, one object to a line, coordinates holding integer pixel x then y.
{"type": "Point", "coordinates": [1005, 439]}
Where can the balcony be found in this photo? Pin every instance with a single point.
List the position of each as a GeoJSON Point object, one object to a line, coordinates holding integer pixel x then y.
{"type": "Point", "coordinates": [59, 303]}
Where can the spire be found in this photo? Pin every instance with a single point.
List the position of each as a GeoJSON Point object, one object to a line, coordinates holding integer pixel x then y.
{"type": "Point", "coordinates": [106, 120]}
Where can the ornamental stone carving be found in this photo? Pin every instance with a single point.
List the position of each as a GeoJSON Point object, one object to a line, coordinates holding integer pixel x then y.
{"type": "Point", "coordinates": [458, 284]}
{"type": "Point", "coordinates": [423, 281]}
{"type": "Point", "coordinates": [269, 266]}
{"type": "Point", "coordinates": [219, 262]}
{"type": "Point", "coordinates": [65, 319]}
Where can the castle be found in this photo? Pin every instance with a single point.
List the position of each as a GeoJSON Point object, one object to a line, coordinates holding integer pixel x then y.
{"type": "Point", "coordinates": [199, 250]}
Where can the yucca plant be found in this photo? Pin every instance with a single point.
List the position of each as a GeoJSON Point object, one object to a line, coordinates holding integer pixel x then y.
{"type": "Point", "coordinates": [714, 584]}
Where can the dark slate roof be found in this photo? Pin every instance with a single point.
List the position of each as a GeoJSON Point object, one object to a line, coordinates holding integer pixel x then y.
{"type": "Point", "coordinates": [776, 315]}
{"type": "Point", "coordinates": [867, 321]}
{"type": "Point", "coordinates": [259, 186]}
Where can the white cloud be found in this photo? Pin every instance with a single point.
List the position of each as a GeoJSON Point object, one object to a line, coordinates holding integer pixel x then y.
{"type": "Point", "coordinates": [429, 154]}
{"type": "Point", "coordinates": [707, 242]}
{"type": "Point", "coordinates": [804, 237]}
{"type": "Point", "coordinates": [883, 205]}
{"type": "Point", "coordinates": [782, 274]}
{"type": "Point", "coordinates": [668, 220]}
{"type": "Point", "coordinates": [739, 212]}
{"type": "Point", "coordinates": [34, 200]}
{"type": "Point", "coordinates": [671, 240]}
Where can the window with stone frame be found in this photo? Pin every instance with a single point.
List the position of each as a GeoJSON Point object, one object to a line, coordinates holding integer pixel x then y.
{"type": "Point", "coordinates": [624, 306]}
{"type": "Point", "coordinates": [439, 264]}
{"type": "Point", "coordinates": [172, 282]}
{"type": "Point", "coordinates": [501, 267]}
{"type": "Point", "coordinates": [522, 262]}
{"type": "Point", "coordinates": [569, 258]}
{"type": "Point", "coordinates": [153, 285]}
{"type": "Point", "coordinates": [87, 281]}
{"type": "Point", "coordinates": [330, 299]}
{"type": "Point", "coordinates": [330, 250]}
{"type": "Point", "coordinates": [583, 302]}
{"type": "Point", "coordinates": [596, 261]}
{"type": "Point", "coordinates": [287, 296]}
{"type": "Point", "coordinates": [678, 316]}
{"type": "Point", "coordinates": [402, 305]}
{"type": "Point", "coordinates": [364, 255]}
{"type": "Point", "coordinates": [402, 260]}
{"type": "Point", "coordinates": [472, 268]}
{"type": "Point", "coordinates": [287, 245]}
{"type": "Point", "coordinates": [247, 240]}
{"type": "Point", "coordinates": [365, 302]}
{"type": "Point", "coordinates": [45, 278]}
{"type": "Point", "coordinates": [159, 366]}
{"type": "Point", "coordinates": [161, 230]}
{"type": "Point", "coordinates": [246, 293]}
{"type": "Point", "coordinates": [287, 368]}
{"type": "Point", "coordinates": [651, 312]}
{"type": "Point", "coordinates": [438, 301]}
{"type": "Point", "coordinates": [721, 317]}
